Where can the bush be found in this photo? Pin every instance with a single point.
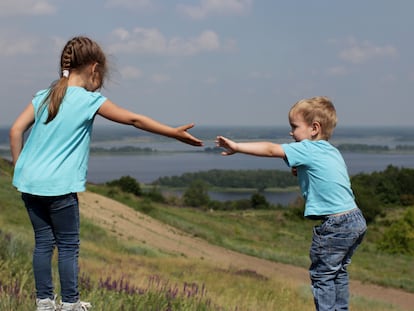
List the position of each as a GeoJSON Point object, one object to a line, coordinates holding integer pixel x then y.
{"type": "Point", "coordinates": [258, 201]}
{"type": "Point", "coordinates": [399, 237]}
{"type": "Point", "coordinates": [154, 194]}
{"type": "Point", "coordinates": [196, 194]}
{"type": "Point", "coordinates": [126, 184]}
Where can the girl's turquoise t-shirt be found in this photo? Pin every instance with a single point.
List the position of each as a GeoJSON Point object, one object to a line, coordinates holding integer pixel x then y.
{"type": "Point", "coordinates": [54, 159]}
{"type": "Point", "coordinates": [323, 177]}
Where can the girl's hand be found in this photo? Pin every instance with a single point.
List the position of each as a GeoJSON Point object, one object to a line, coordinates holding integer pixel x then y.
{"type": "Point", "coordinates": [226, 143]}
{"type": "Point", "coordinates": [294, 171]}
{"type": "Point", "coordinates": [185, 137]}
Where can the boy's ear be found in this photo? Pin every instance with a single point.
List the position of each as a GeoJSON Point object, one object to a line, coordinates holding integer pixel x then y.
{"type": "Point", "coordinates": [316, 128]}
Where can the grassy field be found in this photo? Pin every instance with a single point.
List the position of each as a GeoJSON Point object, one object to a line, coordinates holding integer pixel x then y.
{"type": "Point", "coordinates": [120, 275]}
{"type": "Point", "coordinates": [281, 235]}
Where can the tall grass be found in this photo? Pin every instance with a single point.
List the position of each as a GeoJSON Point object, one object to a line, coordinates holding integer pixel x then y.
{"type": "Point", "coordinates": [117, 275]}
{"type": "Point", "coordinates": [279, 235]}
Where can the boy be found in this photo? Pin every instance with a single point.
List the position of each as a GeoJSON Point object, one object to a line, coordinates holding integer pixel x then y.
{"type": "Point", "coordinates": [326, 188]}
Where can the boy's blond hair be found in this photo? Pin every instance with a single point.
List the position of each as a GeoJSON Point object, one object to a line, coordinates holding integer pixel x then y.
{"type": "Point", "coordinates": [317, 109]}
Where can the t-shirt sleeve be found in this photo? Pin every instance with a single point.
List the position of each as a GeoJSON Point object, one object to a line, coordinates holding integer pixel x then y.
{"type": "Point", "coordinates": [95, 102]}
{"type": "Point", "coordinates": [38, 100]}
{"type": "Point", "coordinates": [296, 153]}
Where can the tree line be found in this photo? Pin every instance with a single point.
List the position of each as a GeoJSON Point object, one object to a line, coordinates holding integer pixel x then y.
{"type": "Point", "coordinates": [378, 191]}
{"type": "Point", "coordinates": [252, 179]}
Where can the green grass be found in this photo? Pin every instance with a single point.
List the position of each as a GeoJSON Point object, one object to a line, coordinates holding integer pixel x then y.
{"type": "Point", "coordinates": [118, 275]}
{"type": "Point", "coordinates": [278, 236]}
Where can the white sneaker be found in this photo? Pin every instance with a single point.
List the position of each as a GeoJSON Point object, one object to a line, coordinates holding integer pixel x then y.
{"type": "Point", "coordinates": [45, 304]}
{"type": "Point", "coordinates": [75, 306]}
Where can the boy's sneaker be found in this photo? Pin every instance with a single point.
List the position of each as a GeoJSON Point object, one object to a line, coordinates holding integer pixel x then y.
{"type": "Point", "coordinates": [45, 304]}
{"type": "Point", "coordinates": [75, 306]}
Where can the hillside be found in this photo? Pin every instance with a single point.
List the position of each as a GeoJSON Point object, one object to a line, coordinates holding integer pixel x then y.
{"type": "Point", "coordinates": [125, 223]}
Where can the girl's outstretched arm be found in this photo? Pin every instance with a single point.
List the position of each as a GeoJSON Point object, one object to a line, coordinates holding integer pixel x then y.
{"type": "Point", "coordinates": [23, 122]}
{"type": "Point", "coordinates": [118, 114]}
{"type": "Point", "coordinates": [262, 149]}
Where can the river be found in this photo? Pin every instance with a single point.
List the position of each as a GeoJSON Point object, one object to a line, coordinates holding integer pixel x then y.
{"type": "Point", "coordinates": [175, 158]}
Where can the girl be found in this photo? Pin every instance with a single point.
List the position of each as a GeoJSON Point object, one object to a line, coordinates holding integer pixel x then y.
{"type": "Point", "coordinates": [52, 165]}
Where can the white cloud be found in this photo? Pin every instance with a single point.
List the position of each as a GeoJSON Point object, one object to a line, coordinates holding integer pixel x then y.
{"type": "Point", "coordinates": [151, 40]}
{"type": "Point", "coordinates": [361, 52]}
{"type": "Point", "coordinates": [26, 7]}
{"type": "Point", "coordinates": [121, 33]}
{"type": "Point", "coordinates": [139, 40]}
{"type": "Point", "coordinates": [216, 7]}
{"type": "Point", "coordinates": [206, 41]}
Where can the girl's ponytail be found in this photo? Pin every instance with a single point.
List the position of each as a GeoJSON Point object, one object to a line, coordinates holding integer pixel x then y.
{"type": "Point", "coordinates": [54, 98]}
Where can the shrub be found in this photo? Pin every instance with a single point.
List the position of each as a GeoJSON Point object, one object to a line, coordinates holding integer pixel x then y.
{"type": "Point", "coordinates": [127, 184]}
{"type": "Point", "coordinates": [196, 194]}
{"type": "Point", "coordinates": [399, 237]}
{"type": "Point", "coordinates": [258, 201]}
{"type": "Point", "coordinates": [154, 194]}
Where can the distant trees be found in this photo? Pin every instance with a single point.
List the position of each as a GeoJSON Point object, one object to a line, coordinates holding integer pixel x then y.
{"type": "Point", "coordinates": [122, 150]}
{"type": "Point", "coordinates": [196, 195]}
{"type": "Point", "coordinates": [380, 190]}
{"type": "Point", "coordinates": [254, 179]}
{"type": "Point", "coordinates": [362, 148]}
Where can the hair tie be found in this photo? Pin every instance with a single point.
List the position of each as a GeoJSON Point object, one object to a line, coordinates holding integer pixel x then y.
{"type": "Point", "coordinates": [65, 73]}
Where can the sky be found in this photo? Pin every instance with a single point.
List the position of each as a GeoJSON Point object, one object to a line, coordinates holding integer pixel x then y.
{"type": "Point", "coordinates": [221, 62]}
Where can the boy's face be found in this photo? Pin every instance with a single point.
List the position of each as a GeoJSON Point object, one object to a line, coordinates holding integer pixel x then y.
{"type": "Point", "coordinates": [300, 130]}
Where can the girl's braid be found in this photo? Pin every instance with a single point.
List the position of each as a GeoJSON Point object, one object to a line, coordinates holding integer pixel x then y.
{"type": "Point", "coordinates": [67, 56]}
{"type": "Point", "coordinates": [77, 52]}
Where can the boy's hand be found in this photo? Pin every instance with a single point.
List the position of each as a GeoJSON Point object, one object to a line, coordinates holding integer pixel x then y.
{"type": "Point", "coordinates": [226, 143]}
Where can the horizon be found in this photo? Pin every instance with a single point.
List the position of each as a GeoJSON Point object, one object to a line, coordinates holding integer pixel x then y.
{"type": "Point", "coordinates": [354, 127]}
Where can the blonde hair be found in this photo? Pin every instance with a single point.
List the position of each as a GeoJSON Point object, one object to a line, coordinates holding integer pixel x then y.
{"type": "Point", "coordinates": [317, 109]}
{"type": "Point", "coordinates": [77, 53]}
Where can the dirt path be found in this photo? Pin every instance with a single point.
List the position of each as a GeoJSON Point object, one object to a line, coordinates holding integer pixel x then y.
{"type": "Point", "coordinates": [132, 225]}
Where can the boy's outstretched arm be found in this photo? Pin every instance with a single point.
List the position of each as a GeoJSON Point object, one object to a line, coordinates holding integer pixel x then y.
{"type": "Point", "coordinates": [261, 149]}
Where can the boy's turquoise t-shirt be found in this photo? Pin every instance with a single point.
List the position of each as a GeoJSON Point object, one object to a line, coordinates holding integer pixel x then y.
{"type": "Point", "coordinates": [54, 158]}
{"type": "Point", "coordinates": [323, 177]}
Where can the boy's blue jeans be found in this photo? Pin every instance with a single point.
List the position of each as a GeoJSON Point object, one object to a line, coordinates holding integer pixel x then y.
{"type": "Point", "coordinates": [333, 244]}
{"type": "Point", "coordinates": [55, 221]}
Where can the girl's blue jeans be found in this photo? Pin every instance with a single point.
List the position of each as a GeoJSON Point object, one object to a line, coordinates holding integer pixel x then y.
{"type": "Point", "coordinates": [55, 221]}
{"type": "Point", "coordinates": [333, 244]}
